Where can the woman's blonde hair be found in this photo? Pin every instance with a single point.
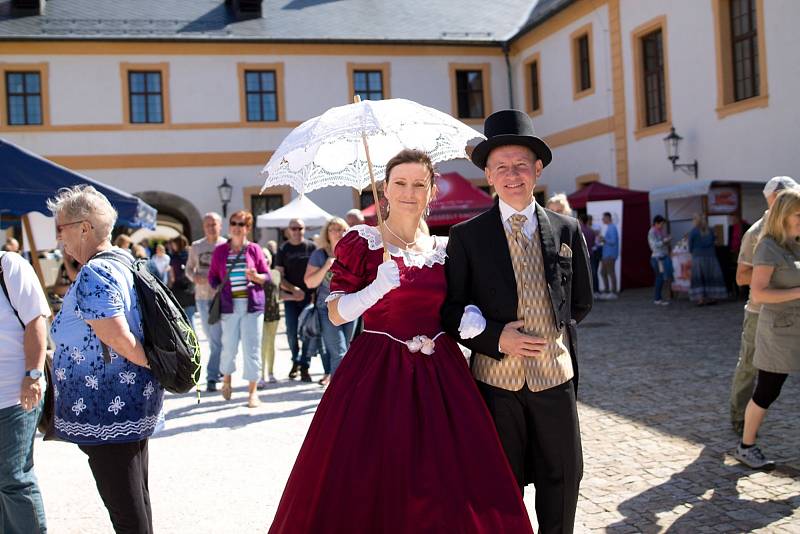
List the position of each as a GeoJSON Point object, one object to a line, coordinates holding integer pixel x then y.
{"type": "Point", "coordinates": [700, 222]}
{"type": "Point", "coordinates": [776, 223]}
{"type": "Point", "coordinates": [324, 242]}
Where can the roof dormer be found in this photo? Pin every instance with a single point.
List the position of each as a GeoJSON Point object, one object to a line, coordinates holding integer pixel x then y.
{"type": "Point", "coordinates": [27, 7]}
{"type": "Point", "coordinates": [245, 9]}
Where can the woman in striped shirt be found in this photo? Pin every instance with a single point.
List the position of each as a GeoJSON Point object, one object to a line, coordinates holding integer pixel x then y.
{"type": "Point", "coordinates": [240, 270]}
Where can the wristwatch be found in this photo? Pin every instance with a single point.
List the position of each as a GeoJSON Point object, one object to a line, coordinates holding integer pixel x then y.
{"type": "Point", "coordinates": [35, 374]}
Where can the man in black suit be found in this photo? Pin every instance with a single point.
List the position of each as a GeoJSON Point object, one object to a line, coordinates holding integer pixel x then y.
{"type": "Point", "coordinates": [518, 283]}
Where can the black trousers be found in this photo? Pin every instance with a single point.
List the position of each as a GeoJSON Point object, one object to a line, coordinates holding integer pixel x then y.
{"type": "Point", "coordinates": [541, 437]}
{"type": "Point", "coordinates": [120, 472]}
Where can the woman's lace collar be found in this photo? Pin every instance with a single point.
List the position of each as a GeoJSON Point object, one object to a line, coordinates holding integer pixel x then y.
{"type": "Point", "coordinates": [410, 257]}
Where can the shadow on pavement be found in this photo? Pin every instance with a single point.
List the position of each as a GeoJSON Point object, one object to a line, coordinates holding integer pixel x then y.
{"type": "Point", "coordinates": [239, 420]}
{"type": "Point", "coordinates": [280, 392]}
{"type": "Point", "coordinates": [706, 502]}
{"type": "Point", "coordinates": [670, 368]}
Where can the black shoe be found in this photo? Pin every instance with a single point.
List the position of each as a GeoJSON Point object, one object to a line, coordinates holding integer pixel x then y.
{"type": "Point", "coordinates": [211, 386]}
{"type": "Point", "coordinates": [294, 372]}
{"type": "Point", "coordinates": [304, 376]}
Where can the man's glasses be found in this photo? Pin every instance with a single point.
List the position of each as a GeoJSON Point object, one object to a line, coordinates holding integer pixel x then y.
{"type": "Point", "coordinates": [60, 227]}
{"type": "Point", "coordinates": [296, 228]}
{"type": "Point", "coordinates": [236, 223]}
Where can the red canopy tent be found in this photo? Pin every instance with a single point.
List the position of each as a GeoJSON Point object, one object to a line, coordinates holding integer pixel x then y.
{"type": "Point", "coordinates": [635, 269]}
{"type": "Point", "coordinates": [457, 200]}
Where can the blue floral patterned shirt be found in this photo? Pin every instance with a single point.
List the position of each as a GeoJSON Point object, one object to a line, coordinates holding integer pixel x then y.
{"type": "Point", "coordinates": [98, 402]}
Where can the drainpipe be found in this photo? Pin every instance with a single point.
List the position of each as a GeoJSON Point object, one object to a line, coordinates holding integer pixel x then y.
{"type": "Point", "coordinates": [506, 48]}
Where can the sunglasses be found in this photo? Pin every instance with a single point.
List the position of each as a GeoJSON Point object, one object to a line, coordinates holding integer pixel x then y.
{"type": "Point", "coordinates": [235, 223]}
{"type": "Point", "coordinates": [296, 228]}
{"type": "Point", "coordinates": [60, 227]}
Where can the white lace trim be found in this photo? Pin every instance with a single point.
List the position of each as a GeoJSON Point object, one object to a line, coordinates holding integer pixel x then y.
{"type": "Point", "coordinates": [411, 258]}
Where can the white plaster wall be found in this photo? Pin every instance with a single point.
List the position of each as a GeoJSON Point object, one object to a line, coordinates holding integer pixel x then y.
{"type": "Point", "coordinates": [199, 186]}
{"type": "Point", "coordinates": [150, 141]}
{"type": "Point", "coordinates": [754, 144]}
{"type": "Point", "coordinates": [595, 155]}
{"type": "Point", "coordinates": [204, 88]}
{"type": "Point", "coordinates": [87, 90]}
{"type": "Point", "coordinates": [560, 111]}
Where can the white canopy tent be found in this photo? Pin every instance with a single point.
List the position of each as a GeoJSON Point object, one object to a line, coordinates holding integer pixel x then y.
{"type": "Point", "coordinates": [299, 208]}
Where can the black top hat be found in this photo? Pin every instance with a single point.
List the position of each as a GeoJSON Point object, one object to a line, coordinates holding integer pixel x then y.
{"type": "Point", "coordinates": [510, 127]}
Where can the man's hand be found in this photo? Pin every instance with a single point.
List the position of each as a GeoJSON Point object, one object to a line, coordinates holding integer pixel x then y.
{"type": "Point", "coordinates": [516, 344]}
{"type": "Point", "coordinates": [297, 294]}
{"type": "Point", "coordinates": [30, 393]}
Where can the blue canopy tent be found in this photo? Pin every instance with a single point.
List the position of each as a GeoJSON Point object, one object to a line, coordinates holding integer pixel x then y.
{"type": "Point", "coordinates": [28, 180]}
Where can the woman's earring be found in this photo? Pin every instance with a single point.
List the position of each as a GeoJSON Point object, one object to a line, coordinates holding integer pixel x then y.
{"type": "Point", "coordinates": [427, 211]}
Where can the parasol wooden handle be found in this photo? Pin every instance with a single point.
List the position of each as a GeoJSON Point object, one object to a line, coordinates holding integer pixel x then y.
{"type": "Point", "coordinates": [356, 100]}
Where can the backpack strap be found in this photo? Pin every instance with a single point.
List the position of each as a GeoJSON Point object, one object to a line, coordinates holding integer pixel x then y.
{"type": "Point", "coordinates": [5, 290]}
{"type": "Point", "coordinates": [119, 257]}
{"type": "Point", "coordinates": [127, 262]}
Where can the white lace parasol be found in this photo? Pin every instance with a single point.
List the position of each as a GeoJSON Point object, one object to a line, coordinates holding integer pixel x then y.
{"type": "Point", "coordinates": [329, 150]}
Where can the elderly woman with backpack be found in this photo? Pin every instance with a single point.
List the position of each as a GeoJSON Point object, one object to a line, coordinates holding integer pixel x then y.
{"type": "Point", "coordinates": [107, 401]}
{"type": "Point", "coordinates": [239, 270]}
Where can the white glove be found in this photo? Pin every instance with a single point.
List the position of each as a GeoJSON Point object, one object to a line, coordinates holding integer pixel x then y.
{"type": "Point", "coordinates": [472, 322]}
{"type": "Point", "coordinates": [352, 305]}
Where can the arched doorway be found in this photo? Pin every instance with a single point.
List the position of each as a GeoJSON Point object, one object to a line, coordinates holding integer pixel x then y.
{"type": "Point", "coordinates": [176, 212]}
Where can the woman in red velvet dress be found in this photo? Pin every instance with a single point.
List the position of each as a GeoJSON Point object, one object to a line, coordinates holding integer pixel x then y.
{"type": "Point", "coordinates": [402, 441]}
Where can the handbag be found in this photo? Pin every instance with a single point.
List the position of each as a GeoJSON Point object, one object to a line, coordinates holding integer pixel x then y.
{"type": "Point", "coordinates": [214, 309]}
{"type": "Point", "coordinates": [46, 420]}
{"type": "Point", "coordinates": [308, 323]}
{"type": "Point", "coordinates": [272, 307]}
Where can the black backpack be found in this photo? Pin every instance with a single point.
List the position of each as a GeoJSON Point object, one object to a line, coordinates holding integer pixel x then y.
{"type": "Point", "coordinates": [169, 342]}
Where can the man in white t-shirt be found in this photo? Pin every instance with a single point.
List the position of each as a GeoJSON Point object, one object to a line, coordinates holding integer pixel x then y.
{"type": "Point", "coordinates": [22, 385]}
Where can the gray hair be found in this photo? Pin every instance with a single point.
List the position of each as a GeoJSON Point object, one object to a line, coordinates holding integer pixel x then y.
{"type": "Point", "coordinates": [355, 212]}
{"type": "Point", "coordinates": [561, 200]}
{"type": "Point", "coordinates": [214, 215]}
{"type": "Point", "coordinates": [84, 202]}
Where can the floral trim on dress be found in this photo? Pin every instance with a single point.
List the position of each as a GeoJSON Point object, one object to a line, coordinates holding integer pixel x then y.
{"type": "Point", "coordinates": [143, 426]}
{"type": "Point", "coordinates": [437, 255]}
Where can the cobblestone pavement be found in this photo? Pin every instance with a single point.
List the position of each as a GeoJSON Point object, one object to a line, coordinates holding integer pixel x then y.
{"type": "Point", "coordinates": [654, 419]}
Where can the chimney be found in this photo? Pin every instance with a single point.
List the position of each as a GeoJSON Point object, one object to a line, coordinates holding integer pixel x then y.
{"type": "Point", "coordinates": [244, 9]}
{"type": "Point", "coordinates": [27, 7]}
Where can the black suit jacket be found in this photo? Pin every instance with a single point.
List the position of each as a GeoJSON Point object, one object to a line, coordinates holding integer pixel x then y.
{"type": "Point", "coordinates": [479, 272]}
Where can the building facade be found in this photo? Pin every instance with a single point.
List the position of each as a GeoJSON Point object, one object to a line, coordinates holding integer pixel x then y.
{"type": "Point", "coordinates": [164, 100]}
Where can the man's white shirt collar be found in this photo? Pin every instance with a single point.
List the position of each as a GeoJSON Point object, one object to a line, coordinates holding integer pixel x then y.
{"type": "Point", "coordinates": [529, 212]}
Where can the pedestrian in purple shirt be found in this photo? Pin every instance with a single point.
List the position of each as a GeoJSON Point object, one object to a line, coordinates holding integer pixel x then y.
{"type": "Point", "coordinates": [240, 270]}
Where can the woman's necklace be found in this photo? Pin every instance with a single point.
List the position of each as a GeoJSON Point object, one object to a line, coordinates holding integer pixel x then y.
{"type": "Point", "coordinates": [406, 243]}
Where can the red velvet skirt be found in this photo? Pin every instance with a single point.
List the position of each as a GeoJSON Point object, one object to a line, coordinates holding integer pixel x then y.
{"type": "Point", "coordinates": [401, 443]}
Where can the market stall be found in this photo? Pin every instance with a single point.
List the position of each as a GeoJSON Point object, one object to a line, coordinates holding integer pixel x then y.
{"type": "Point", "coordinates": [730, 207]}
{"type": "Point", "coordinates": [27, 180]}
{"type": "Point", "coordinates": [631, 212]}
